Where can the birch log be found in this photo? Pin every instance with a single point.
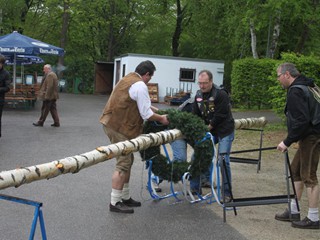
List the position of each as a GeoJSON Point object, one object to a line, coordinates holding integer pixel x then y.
{"type": "Point", "coordinates": [18, 177]}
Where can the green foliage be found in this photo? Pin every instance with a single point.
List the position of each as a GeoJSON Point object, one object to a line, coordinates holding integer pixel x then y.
{"type": "Point", "coordinates": [250, 82]}
{"type": "Point", "coordinates": [83, 69]}
{"type": "Point", "coordinates": [194, 130]}
{"type": "Point", "coordinates": [99, 30]}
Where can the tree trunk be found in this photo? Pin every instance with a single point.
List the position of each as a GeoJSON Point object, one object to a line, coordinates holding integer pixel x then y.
{"type": "Point", "coordinates": [275, 37]}
{"type": "Point", "coordinates": [18, 177]}
{"type": "Point", "coordinates": [253, 40]}
{"type": "Point", "coordinates": [302, 40]}
{"type": "Point", "coordinates": [178, 30]}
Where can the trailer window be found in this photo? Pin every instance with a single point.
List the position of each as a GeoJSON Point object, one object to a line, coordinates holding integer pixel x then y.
{"type": "Point", "coordinates": [187, 75]}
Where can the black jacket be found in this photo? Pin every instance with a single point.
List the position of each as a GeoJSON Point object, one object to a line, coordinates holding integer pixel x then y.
{"type": "Point", "coordinates": [214, 107]}
{"type": "Point", "coordinates": [4, 84]}
{"type": "Point", "coordinates": [297, 112]}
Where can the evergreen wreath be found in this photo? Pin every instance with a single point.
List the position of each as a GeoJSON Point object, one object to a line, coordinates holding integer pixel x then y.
{"type": "Point", "coordinates": [194, 131]}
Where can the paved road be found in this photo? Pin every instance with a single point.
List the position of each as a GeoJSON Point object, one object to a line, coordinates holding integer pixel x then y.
{"type": "Point", "coordinates": [75, 206]}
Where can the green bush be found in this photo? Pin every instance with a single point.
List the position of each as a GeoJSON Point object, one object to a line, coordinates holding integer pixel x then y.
{"type": "Point", "coordinates": [250, 82]}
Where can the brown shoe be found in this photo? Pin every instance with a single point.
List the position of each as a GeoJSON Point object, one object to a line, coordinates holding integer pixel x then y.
{"type": "Point", "coordinates": [131, 203]}
{"type": "Point", "coordinates": [285, 216]}
{"type": "Point", "coordinates": [306, 223]}
{"type": "Point", "coordinates": [120, 207]}
{"type": "Point", "coordinates": [55, 125]}
{"type": "Point", "coordinates": [37, 124]}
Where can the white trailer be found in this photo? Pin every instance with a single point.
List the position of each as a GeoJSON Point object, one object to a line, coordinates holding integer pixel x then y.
{"type": "Point", "coordinates": [173, 74]}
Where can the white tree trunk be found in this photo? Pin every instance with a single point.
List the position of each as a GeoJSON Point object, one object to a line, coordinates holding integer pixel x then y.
{"type": "Point", "coordinates": [17, 177]}
{"type": "Point", "coordinates": [275, 36]}
{"type": "Point", "coordinates": [253, 40]}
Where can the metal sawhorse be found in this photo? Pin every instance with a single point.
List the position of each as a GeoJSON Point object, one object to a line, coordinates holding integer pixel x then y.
{"type": "Point", "coordinates": [37, 214]}
{"type": "Point", "coordinates": [250, 160]}
{"type": "Point", "coordinates": [237, 202]}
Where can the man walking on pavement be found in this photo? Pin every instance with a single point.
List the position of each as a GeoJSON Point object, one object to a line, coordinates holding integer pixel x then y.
{"type": "Point", "coordinates": [48, 93]}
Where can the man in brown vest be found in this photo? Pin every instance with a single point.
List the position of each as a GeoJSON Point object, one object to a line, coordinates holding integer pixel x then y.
{"type": "Point", "coordinates": [122, 118]}
{"type": "Point", "coordinates": [48, 93]}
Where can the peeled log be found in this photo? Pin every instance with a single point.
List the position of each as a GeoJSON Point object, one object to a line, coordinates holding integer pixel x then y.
{"type": "Point", "coordinates": [18, 177]}
{"type": "Point", "coordinates": [250, 122]}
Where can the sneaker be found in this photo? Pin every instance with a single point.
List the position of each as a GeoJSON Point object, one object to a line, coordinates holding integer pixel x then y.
{"type": "Point", "coordinates": [285, 216]}
{"type": "Point", "coordinates": [131, 203]}
{"type": "Point", "coordinates": [120, 207]}
{"type": "Point", "coordinates": [306, 223]}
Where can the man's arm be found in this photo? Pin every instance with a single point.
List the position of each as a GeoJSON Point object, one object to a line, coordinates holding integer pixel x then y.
{"type": "Point", "coordinates": [139, 93]}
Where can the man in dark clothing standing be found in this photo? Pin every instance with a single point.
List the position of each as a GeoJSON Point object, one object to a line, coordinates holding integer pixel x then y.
{"type": "Point", "coordinates": [4, 85]}
{"type": "Point", "coordinates": [302, 129]}
{"type": "Point", "coordinates": [213, 105]}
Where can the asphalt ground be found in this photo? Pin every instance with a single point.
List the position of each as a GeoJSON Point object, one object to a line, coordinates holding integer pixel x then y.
{"type": "Point", "coordinates": [76, 206]}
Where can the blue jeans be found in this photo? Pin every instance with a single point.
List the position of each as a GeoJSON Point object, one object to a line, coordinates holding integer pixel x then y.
{"type": "Point", "coordinates": [179, 150]}
{"type": "Point", "coordinates": [224, 148]}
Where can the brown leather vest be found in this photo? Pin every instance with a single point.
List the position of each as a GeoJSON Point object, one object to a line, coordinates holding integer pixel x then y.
{"type": "Point", "coordinates": [121, 113]}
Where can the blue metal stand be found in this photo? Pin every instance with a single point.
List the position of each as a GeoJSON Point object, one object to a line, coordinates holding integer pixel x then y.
{"type": "Point", "coordinates": [37, 214]}
{"type": "Point", "coordinates": [185, 178]}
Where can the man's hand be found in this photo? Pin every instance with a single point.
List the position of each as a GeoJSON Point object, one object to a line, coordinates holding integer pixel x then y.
{"type": "Point", "coordinates": [164, 119]}
{"type": "Point", "coordinates": [282, 147]}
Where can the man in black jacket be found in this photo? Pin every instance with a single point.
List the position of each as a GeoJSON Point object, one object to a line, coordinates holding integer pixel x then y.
{"type": "Point", "coordinates": [301, 129]}
{"type": "Point", "coordinates": [4, 85]}
{"type": "Point", "coordinates": [212, 104]}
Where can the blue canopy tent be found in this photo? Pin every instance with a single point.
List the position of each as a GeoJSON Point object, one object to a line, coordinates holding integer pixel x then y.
{"type": "Point", "coordinates": [18, 44]}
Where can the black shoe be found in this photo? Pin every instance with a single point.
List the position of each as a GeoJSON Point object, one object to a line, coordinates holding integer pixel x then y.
{"type": "Point", "coordinates": [306, 223]}
{"type": "Point", "coordinates": [55, 125]}
{"type": "Point", "coordinates": [37, 124]}
{"type": "Point", "coordinates": [285, 216]}
{"type": "Point", "coordinates": [131, 203]}
{"type": "Point", "coordinates": [121, 208]}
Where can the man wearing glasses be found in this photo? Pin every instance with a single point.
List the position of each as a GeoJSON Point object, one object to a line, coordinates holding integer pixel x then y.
{"type": "Point", "coordinates": [303, 127]}
{"type": "Point", "coordinates": [213, 105]}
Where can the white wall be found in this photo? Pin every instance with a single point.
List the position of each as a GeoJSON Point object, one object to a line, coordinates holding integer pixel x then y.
{"type": "Point", "coordinates": [168, 70]}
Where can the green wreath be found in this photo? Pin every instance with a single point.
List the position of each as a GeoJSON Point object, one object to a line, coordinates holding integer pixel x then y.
{"type": "Point", "coordinates": [194, 131]}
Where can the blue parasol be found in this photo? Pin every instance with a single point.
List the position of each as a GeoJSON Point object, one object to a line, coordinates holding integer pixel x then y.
{"type": "Point", "coordinates": [18, 44]}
